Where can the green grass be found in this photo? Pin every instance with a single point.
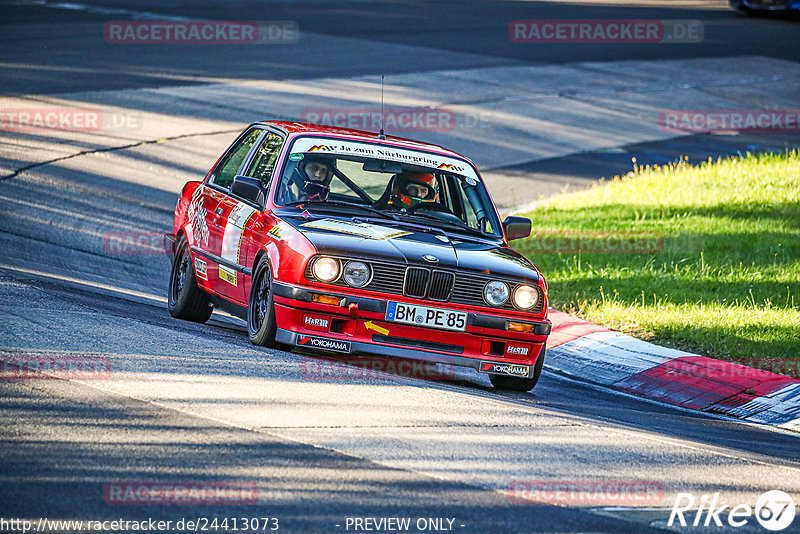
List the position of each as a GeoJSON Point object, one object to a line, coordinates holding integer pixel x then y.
{"type": "Point", "coordinates": [720, 269]}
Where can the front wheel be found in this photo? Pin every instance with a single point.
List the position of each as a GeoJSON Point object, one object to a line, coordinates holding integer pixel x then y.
{"type": "Point", "coordinates": [185, 299]}
{"type": "Point", "coordinates": [516, 383]}
{"type": "Point", "coordinates": [261, 326]}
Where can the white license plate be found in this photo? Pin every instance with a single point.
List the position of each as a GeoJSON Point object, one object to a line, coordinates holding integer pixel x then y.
{"type": "Point", "coordinates": [399, 312]}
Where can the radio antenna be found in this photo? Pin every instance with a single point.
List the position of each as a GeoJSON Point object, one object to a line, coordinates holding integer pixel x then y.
{"type": "Point", "coordinates": [382, 135]}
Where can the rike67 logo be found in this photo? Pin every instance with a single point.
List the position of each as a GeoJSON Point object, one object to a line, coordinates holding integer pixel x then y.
{"type": "Point", "coordinates": [774, 510]}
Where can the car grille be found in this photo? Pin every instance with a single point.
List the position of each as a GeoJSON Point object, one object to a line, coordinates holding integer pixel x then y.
{"type": "Point", "coordinates": [416, 282]}
{"type": "Point", "coordinates": [424, 283]}
{"type": "Point", "coordinates": [434, 284]}
{"type": "Point", "coordinates": [441, 285]}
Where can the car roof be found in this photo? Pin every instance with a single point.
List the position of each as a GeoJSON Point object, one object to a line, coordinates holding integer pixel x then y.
{"type": "Point", "coordinates": [296, 128]}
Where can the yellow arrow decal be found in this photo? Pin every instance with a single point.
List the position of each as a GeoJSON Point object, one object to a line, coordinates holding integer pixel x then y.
{"type": "Point", "coordinates": [379, 329]}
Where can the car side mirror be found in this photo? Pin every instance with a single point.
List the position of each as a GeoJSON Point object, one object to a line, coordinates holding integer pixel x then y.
{"type": "Point", "coordinates": [248, 188]}
{"type": "Point", "coordinates": [517, 227]}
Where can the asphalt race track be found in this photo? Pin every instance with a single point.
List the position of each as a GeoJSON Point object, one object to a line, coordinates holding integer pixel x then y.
{"type": "Point", "coordinates": [198, 404]}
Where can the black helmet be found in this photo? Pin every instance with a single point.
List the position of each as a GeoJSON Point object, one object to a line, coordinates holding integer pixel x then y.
{"type": "Point", "coordinates": [308, 179]}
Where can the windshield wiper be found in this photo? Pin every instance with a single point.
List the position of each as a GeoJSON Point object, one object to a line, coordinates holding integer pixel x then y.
{"type": "Point", "coordinates": [452, 224]}
{"type": "Point", "coordinates": [381, 213]}
{"type": "Point", "coordinates": [403, 223]}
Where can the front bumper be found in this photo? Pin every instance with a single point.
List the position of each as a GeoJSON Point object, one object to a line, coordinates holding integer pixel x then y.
{"type": "Point", "coordinates": [357, 325]}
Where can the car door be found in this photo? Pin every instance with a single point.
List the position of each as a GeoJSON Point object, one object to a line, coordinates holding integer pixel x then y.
{"type": "Point", "coordinates": [238, 243]}
{"type": "Point", "coordinates": [223, 276]}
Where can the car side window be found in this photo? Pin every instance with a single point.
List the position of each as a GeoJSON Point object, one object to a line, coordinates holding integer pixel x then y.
{"type": "Point", "coordinates": [264, 160]}
{"type": "Point", "coordinates": [227, 168]}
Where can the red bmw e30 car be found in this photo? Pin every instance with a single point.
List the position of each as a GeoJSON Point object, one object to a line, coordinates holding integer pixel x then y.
{"type": "Point", "coordinates": [359, 243]}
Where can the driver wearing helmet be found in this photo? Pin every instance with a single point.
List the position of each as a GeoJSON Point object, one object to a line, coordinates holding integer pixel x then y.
{"type": "Point", "coordinates": [411, 189]}
{"type": "Point", "coordinates": [311, 179]}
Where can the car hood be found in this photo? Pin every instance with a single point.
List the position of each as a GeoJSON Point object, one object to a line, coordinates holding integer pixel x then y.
{"type": "Point", "coordinates": [379, 240]}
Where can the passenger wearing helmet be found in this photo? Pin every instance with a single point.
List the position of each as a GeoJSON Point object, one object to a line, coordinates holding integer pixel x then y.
{"type": "Point", "coordinates": [411, 189]}
{"type": "Point", "coordinates": [311, 179]}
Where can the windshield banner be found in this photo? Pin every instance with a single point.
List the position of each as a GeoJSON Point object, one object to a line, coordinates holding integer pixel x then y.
{"type": "Point", "coordinates": [401, 155]}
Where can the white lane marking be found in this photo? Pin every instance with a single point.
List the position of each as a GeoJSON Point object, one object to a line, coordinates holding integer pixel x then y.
{"type": "Point", "coordinates": [643, 433]}
{"type": "Point", "coordinates": [493, 398]}
{"type": "Point", "coordinates": [99, 10]}
{"type": "Point", "coordinates": [789, 428]}
{"type": "Point", "coordinates": [92, 217]}
{"type": "Point", "coordinates": [87, 283]}
{"type": "Point", "coordinates": [554, 373]}
{"type": "Point", "coordinates": [791, 425]}
{"type": "Point", "coordinates": [782, 406]}
{"type": "Point", "coordinates": [389, 464]}
{"type": "Point", "coordinates": [608, 357]}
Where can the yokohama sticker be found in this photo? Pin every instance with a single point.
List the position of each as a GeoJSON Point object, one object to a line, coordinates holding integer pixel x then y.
{"type": "Point", "coordinates": [505, 369]}
{"type": "Point", "coordinates": [323, 343]}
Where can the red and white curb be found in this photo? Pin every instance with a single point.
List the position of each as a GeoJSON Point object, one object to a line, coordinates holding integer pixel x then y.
{"type": "Point", "coordinates": [590, 352]}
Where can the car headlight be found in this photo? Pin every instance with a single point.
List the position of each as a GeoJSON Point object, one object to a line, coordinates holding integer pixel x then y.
{"type": "Point", "coordinates": [525, 297]}
{"type": "Point", "coordinates": [356, 274]}
{"type": "Point", "coordinates": [496, 293]}
{"type": "Point", "coordinates": [326, 269]}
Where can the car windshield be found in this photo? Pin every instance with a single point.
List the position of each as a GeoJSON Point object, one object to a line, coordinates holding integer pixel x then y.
{"type": "Point", "coordinates": [402, 184]}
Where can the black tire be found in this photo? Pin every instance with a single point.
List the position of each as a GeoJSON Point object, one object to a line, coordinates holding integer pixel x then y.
{"type": "Point", "coordinates": [261, 325]}
{"type": "Point", "coordinates": [185, 299]}
{"type": "Point", "coordinates": [516, 383]}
